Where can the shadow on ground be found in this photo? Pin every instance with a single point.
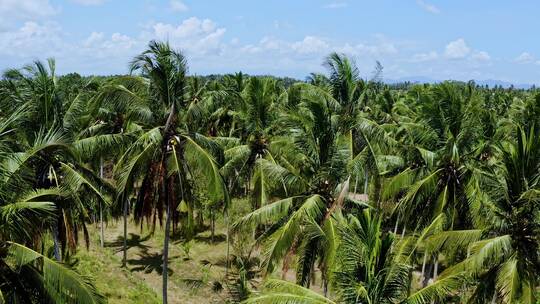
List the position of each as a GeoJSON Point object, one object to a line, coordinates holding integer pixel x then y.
{"type": "Point", "coordinates": [133, 241]}
{"type": "Point", "coordinates": [149, 262]}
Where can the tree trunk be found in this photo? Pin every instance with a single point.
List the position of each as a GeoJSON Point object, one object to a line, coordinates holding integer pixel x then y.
{"type": "Point", "coordinates": [397, 223]}
{"type": "Point", "coordinates": [165, 273]}
{"type": "Point", "coordinates": [436, 267]}
{"type": "Point", "coordinates": [366, 179]}
{"type": "Point", "coordinates": [213, 224]}
{"type": "Point", "coordinates": [228, 245]}
{"type": "Point", "coordinates": [124, 259]}
{"type": "Point", "coordinates": [423, 266]}
{"type": "Point", "coordinates": [102, 229]}
{"type": "Point", "coordinates": [56, 241]}
{"type": "Point", "coordinates": [494, 298]}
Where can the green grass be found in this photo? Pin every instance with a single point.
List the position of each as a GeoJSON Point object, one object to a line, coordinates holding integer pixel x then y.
{"type": "Point", "coordinates": [190, 280]}
{"type": "Point", "coordinates": [117, 284]}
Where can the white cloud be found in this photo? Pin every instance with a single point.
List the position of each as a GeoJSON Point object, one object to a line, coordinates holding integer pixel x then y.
{"type": "Point", "coordinates": [334, 5]}
{"type": "Point", "coordinates": [310, 45]}
{"type": "Point", "coordinates": [481, 56]}
{"type": "Point", "coordinates": [457, 49]}
{"type": "Point", "coordinates": [93, 39]}
{"type": "Point", "coordinates": [428, 7]}
{"type": "Point", "coordinates": [27, 10]}
{"type": "Point", "coordinates": [178, 6]}
{"type": "Point", "coordinates": [33, 39]}
{"type": "Point", "coordinates": [89, 2]}
{"type": "Point", "coordinates": [198, 36]}
{"type": "Point", "coordinates": [422, 57]}
{"type": "Point", "coordinates": [525, 57]}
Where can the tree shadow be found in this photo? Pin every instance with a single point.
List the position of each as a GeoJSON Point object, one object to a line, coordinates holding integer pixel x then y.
{"type": "Point", "coordinates": [150, 262]}
{"type": "Point", "coordinates": [133, 241]}
{"type": "Point", "coordinates": [218, 238]}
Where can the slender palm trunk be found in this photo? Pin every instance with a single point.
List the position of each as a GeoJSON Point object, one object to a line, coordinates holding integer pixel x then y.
{"type": "Point", "coordinates": [228, 241]}
{"type": "Point", "coordinates": [494, 298]}
{"type": "Point", "coordinates": [102, 229]}
{"type": "Point", "coordinates": [56, 241]}
{"type": "Point", "coordinates": [435, 270]}
{"type": "Point", "coordinates": [124, 259]}
{"type": "Point", "coordinates": [397, 223]}
{"type": "Point", "coordinates": [213, 224]}
{"type": "Point", "coordinates": [423, 266]}
{"type": "Point", "coordinates": [436, 267]}
{"type": "Point", "coordinates": [366, 179]}
{"type": "Point", "coordinates": [165, 273]}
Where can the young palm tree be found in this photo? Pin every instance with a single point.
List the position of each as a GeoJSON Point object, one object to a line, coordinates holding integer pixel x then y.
{"type": "Point", "coordinates": [372, 265]}
{"type": "Point", "coordinates": [169, 158]}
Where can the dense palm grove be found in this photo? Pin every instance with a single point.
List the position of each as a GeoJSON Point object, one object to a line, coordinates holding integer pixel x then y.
{"type": "Point", "coordinates": [368, 193]}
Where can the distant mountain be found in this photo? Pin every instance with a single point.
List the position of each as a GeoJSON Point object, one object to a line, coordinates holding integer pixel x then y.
{"type": "Point", "coordinates": [489, 82]}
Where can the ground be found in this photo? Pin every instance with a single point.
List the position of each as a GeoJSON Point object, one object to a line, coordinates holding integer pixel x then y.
{"type": "Point", "coordinates": [190, 279]}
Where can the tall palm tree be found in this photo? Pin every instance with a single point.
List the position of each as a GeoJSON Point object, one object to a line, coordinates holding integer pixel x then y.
{"type": "Point", "coordinates": [441, 141]}
{"type": "Point", "coordinates": [168, 158]}
{"type": "Point", "coordinates": [309, 172]}
{"type": "Point", "coordinates": [503, 251]}
{"type": "Point", "coordinates": [256, 114]}
{"type": "Point", "coordinates": [26, 213]}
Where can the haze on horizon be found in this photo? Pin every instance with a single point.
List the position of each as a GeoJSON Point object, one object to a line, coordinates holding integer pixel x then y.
{"type": "Point", "coordinates": [459, 40]}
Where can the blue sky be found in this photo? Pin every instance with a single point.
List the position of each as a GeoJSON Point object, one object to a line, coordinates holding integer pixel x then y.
{"type": "Point", "coordinates": [452, 39]}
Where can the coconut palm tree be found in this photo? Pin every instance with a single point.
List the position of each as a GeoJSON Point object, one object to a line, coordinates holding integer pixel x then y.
{"type": "Point", "coordinates": [310, 172]}
{"type": "Point", "coordinates": [168, 158]}
{"type": "Point", "coordinates": [372, 265]}
{"type": "Point", "coordinates": [26, 213]}
{"type": "Point", "coordinates": [441, 142]}
{"type": "Point", "coordinates": [503, 251]}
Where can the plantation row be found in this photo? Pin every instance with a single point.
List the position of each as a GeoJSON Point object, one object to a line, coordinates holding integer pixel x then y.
{"type": "Point", "coordinates": [367, 193]}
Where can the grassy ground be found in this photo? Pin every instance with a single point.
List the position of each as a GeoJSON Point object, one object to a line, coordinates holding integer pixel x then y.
{"type": "Point", "coordinates": [191, 278]}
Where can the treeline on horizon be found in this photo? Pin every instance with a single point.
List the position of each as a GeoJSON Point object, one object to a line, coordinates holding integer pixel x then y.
{"type": "Point", "coordinates": [372, 192]}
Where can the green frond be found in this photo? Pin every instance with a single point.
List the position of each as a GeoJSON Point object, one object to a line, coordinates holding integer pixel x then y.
{"type": "Point", "coordinates": [437, 291]}
{"type": "Point", "coordinates": [62, 283]}
{"type": "Point", "coordinates": [283, 292]}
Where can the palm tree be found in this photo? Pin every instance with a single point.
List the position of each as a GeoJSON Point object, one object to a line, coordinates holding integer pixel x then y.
{"type": "Point", "coordinates": [26, 213]}
{"type": "Point", "coordinates": [256, 115]}
{"type": "Point", "coordinates": [440, 144]}
{"type": "Point", "coordinates": [48, 159]}
{"type": "Point", "coordinates": [372, 265]}
{"type": "Point", "coordinates": [168, 158]}
{"type": "Point", "coordinates": [310, 172]}
{"type": "Point", "coordinates": [503, 252]}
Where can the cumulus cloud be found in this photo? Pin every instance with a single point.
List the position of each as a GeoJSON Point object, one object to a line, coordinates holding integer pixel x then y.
{"type": "Point", "coordinates": [178, 6]}
{"type": "Point", "coordinates": [428, 7]}
{"type": "Point", "coordinates": [481, 56]}
{"type": "Point", "coordinates": [524, 57]}
{"type": "Point", "coordinates": [198, 36]}
{"type": "Point", "coordinates": [457, 49]}
{"type": "Point", "coordinates": [33, 39]}
{"type": "Point", "coordinates": [27, 10]}
{"type": "Point", "coordinates": [310, 45]}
